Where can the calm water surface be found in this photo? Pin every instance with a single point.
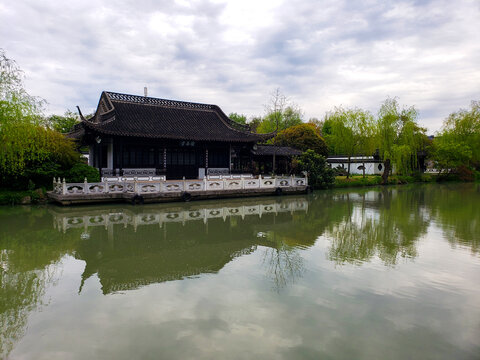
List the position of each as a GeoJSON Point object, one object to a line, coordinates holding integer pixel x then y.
{"type": "Point", "coordinates": [387, 273]}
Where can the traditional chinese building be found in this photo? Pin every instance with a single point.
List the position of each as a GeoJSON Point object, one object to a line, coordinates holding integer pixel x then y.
{"type": "Point", "coordinates": [172, 138]}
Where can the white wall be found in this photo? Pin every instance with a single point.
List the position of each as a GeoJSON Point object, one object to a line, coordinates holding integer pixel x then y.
{"type": "Point", "coordinates": [370, 168]}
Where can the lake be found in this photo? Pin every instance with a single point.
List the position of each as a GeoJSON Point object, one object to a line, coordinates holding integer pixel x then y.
{"type": "Point", "coordinates": [372, 273]}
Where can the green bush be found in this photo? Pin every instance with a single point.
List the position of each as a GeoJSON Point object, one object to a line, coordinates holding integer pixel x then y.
{"type": "Point", "coordinates": [80, 171]}
{"type": "Point", "coordinates": [9, 197]}
{"type": "Point", "coordinates": [320, 176]}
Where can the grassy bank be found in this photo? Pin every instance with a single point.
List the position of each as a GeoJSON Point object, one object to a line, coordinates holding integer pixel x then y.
{"type": "Point", "coordinates": [371, 180]}
{"type": "Point", "coordinates": [26, 197]}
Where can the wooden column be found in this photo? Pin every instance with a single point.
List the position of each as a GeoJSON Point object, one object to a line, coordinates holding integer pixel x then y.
{"type": "Point", "coordinates": [165, 158]}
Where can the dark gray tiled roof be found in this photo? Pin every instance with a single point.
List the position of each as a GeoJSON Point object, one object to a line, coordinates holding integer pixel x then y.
{"type": "Point", "coordinates": [138, 116]}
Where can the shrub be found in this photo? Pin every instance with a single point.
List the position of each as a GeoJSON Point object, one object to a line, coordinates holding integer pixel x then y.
{"type": "Point", "coordinates": [80, 171]}
{"type": "Point", "coordinates": [342, 181]}
{"type": "Point", "coordinates": [302, 137]}
{"type": "Point", "coordinates": [320, 176]}
{"type": "Point", "coordinates": [464, 173]}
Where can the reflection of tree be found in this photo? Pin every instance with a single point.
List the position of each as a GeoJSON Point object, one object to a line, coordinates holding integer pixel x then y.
{"type": "Point", "coordinates": [284, 265]}
{"type": "Point", "coordinates": [20, 294]}
{"type": "Point", "coordinates": [28, 246]}
{"type": "Point", "coordinates": [456, 210]}
{"type": "Point", "coordinates": [387, 227]}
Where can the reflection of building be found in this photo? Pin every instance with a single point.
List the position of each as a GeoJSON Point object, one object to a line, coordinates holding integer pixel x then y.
{"type": "Point", "coordinates": [160, 216]}
{"type": "Point", "coordinates": [131, 248]}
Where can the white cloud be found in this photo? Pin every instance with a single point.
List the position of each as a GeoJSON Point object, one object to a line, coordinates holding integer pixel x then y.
{"type": "Point", "coordinates": [234, 53]}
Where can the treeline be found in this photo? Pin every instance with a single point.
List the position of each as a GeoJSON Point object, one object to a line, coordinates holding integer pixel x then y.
{"type": "Point", "coordinates": [393, 134]}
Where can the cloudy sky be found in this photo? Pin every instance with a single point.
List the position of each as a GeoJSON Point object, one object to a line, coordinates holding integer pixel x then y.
{"type": "Point", "coordinates": [320, 54]}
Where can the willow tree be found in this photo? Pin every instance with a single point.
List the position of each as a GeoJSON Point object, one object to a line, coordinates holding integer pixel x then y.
{"type": "Point", "coordinates": [399, 137]}
{"type": "Point", "coordinates": [25, 143]}
{"type": "Point", "coordinates": [350, 132]}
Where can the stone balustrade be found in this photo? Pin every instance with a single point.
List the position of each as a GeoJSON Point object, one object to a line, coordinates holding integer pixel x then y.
{"type": "Point", "coordinates": [158, 184]}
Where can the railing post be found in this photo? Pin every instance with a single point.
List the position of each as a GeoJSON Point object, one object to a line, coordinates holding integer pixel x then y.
{"type": "Point", "coordinates": [205, 183]}
{"type": "Point", "coordinates": [64, 187]}
{"type": "Point", "coordinates": [184, 185]}
{"type": "Point", "coordinates": [291, 180]}
{"type": "Point", "coordinates": [85, 186]}
{"type": "Point", "coordinates": [135, 185]}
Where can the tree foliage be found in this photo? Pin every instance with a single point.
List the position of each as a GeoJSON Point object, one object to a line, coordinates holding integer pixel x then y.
{"type": "Point", "coordinates": [320, 176]}
{"type": "Point", "coordinates": [26, 145]}
{"type": "Point", "coordinates": [350, 132]}
{"type": "Point", "coordinates": [459, 141]}
{"type": "Point", "coordinates": [302, 137]}
{"type": "Point", "coordinates": [63, 124]}
{"type": "Point", "coordinates": [399, 137]}
{"type": "Point", "coordinates": [281, 114]}
{"type": "Point", "coordinates": [280, 120]}
{"type": "Point", "coordinates": [238, 118]}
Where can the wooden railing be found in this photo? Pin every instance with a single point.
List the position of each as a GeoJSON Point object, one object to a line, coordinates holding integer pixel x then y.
{"type": "Point", "coordinates": [151, 185]}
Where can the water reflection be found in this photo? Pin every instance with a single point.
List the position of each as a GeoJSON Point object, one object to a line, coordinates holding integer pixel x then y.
{"type": "Point", "coordinates": [127, 248]}
{"type": "Point", "coordinates": [384, 223]}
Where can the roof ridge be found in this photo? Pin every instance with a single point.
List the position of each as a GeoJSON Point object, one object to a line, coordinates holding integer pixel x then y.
{"type": "Point", "coordinates": [137, 99]}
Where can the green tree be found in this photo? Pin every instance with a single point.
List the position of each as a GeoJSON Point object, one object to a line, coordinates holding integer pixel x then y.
{"type": "Point", "coordinates": [302, 137]}
{"type": "Point", "coordinates": [399, 137]}
{"type": "Point", "coordinates": [459, 141]}
{"type": "Point", "coordinates": [317, 124]}
{"type": "Point", "coordinates": [281, 114]}
{"type": "Point", "coordinates": [254, 123]}
{"type": "Point", "coordinates": [350, 132]}
{"type": "Point", "coordinates": [238, 118]}
{"type": "Point", "coordinates": [449, 154]}
{"type": "Point", "coordinates": [290, 116]}
{"type": "Point", "coordinates": [320, 176]}
{"type": "Point", "coordinates": [63, 124]}
{"type": "Point", "coordinates": [25, 144]}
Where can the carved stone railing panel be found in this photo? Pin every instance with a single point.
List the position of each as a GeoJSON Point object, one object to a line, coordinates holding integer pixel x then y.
{"type": "Point", "coordinates": [214, 184]}
{"type": "Point", "coordinates": [148, 188]}
{"type": "Point", "coordinates": [116, 188]}
{"type": "Point", "coordinates": [251, 183]}
{"type": "Point", "coordinates": [283, 182]}
{"type": "Point", "coordinates": [267, 183]}
{"type": "Point", "coordinates": [96, 188]}
{"type": "Point", "coordinates": [73, 189]}
{"type": "Point", "coordinates": [172, 186]}
{"type": "Point", "coordinates": [233, 184]}
{"type": "Point", "coordinates": [194, 185]}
